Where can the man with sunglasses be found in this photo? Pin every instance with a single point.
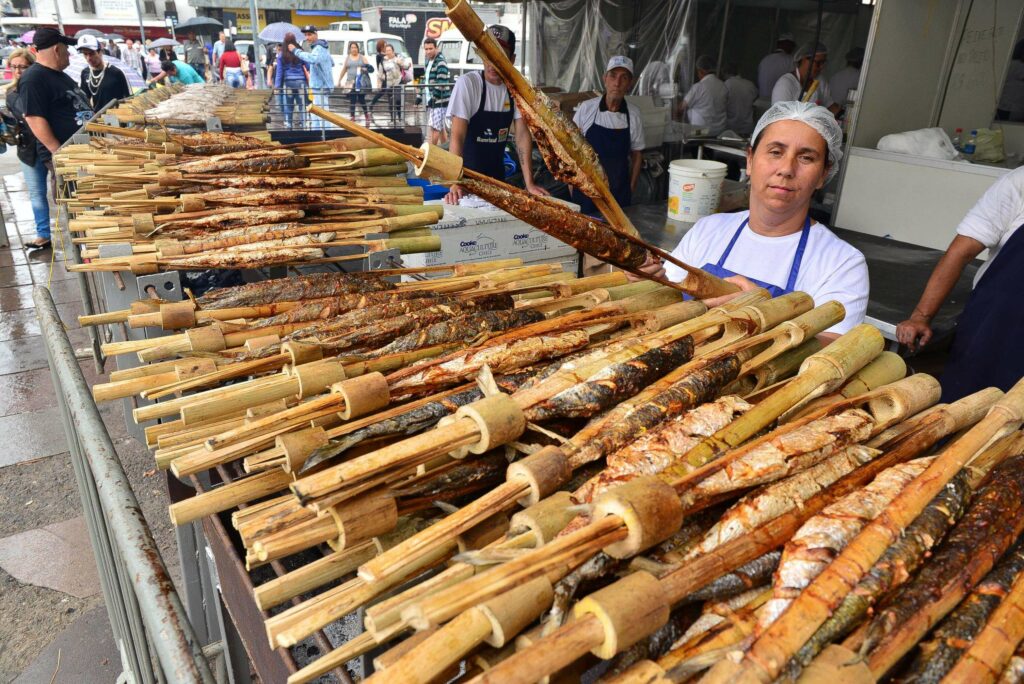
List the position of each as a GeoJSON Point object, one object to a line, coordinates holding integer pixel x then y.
{"type": "Point", "coordinates": [805, 83]}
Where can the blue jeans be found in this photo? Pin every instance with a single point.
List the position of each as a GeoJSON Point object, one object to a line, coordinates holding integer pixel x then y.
{"type": "Point", "coordinates": [234, 78]}
{"type": "Point", "coordinates": [35, 180]}
{"type": "Point", "coordinates": [294, 97]}
{"type": "Point", "coordinates": [320, 99]}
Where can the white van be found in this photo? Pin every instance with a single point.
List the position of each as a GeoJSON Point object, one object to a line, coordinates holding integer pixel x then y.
{"type": "Point", "coordinates": [349, 25]}
{"type": "Point", "coordinates": [337, 42]}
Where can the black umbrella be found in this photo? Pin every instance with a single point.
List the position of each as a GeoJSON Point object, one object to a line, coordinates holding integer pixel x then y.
{"type": "Point", "coordinates": [89, 32]}
{"type": "Point", "coordinates": [199, 25]}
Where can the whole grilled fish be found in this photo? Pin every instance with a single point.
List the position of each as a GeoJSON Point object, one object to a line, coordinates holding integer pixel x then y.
{"type": "Point", "coordinates": [463, 328]}
{"type": "Point", "coordinates": [821, 538]}
{"type": "Point", "coordinates": [663, 445]}
{"type": "Point", "coordinates": [991, 524]}
{"type": "Point", "coordinates": [504, 357]}
{"type": "Point", "coordinates": [773, 500]}
{"type": "Point", "coordinates": [696, 388]}
{"type": "Point", "coordinates": [954, 634]}
{"type": "Point", "coordinates": [312, 286]}
{"type": "Point", "coordinates": [329, 307]}
{"type": "Point", "coordinates": [788, 453]}
{"type": "Point", "coordinates": [896, 566]}
{"type": "Point", "coordinates": [613, 384]}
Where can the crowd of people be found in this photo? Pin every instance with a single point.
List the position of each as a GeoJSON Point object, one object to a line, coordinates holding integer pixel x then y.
{"type": "Point", "coordinates": [722, 99]}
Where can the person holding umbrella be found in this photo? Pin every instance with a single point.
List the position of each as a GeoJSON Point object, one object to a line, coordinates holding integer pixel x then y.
{"type": "Point", "coordinates": [195, 55]}
{"type": "Point", "coordinates": [100, 81]}
{"type": "Point", "coordinates": [152, 62]}
{"type": "Point", "coordinates": [319, 60]}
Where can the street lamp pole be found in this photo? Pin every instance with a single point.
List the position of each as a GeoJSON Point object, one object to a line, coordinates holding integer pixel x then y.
{"type": "Point", "coordinates": [254, 21]}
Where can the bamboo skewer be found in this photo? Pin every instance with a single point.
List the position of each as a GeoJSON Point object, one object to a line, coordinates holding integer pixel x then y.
{"type": "Point", "coordinates": [704, 285]}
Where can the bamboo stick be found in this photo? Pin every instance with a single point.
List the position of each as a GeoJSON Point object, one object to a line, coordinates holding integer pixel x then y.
{"type": "Point", "coordinates": [227, 496]}
{"type": "Point", "coordinates": [313, 575]}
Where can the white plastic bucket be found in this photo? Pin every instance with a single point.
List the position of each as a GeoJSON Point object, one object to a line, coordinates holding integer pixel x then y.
{"type": "Point", "coordinates": [694, 188]}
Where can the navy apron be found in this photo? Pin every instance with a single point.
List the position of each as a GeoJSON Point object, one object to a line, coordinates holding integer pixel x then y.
{"type": "Point", "coordinates": [484, 150]}
{"type": "Point", "coordinates": [986, 348]}
{"type": "Point", "coordinates": [613, 149]}
{"type": "Point", "coordinates": [775, 290]}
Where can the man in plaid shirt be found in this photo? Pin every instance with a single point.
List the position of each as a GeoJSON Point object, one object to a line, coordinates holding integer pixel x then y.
{"type": "Point", "coordinates": [438, 80]}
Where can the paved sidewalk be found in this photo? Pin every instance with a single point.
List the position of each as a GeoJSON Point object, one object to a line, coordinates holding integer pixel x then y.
{"type": "Point", "coordinates": [50, 597]}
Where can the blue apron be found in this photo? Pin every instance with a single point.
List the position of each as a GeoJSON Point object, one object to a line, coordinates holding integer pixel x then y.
{"type": "Point", "coordinates": [613, 149]}
{"type": "Point", "coordinates": [775, 290]}
{"type": "Point", "coordinates": [986, 349]}
{"type": "Point", "coordinates": [486, 136]}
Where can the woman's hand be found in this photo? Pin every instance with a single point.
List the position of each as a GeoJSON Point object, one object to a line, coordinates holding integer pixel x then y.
{"type": "Point", "coordinates": [744, 284]}
{"type": "Point", "coordinates": [653, 266]}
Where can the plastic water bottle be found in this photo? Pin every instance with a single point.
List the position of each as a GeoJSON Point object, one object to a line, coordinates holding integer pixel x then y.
{"type": "Point", "coordinates": [958, 139]}
{"type": "Point", "coordinates": [972, 143]}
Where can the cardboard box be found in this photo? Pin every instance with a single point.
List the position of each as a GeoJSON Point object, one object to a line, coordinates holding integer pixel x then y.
{"type": "Point", "coordinates": [470, 234]}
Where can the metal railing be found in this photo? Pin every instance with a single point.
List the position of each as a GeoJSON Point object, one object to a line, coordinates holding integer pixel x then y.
{"type": "Point", "coordinates": [152, 632]}
{"type": "Point", "coordinates": [397, 107]}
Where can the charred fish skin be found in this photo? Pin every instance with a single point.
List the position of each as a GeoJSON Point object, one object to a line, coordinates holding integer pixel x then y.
{"type": "Point", "coordinates": [752, 574]}
{"type": "Point", "coordinates": [696, 388]}
{"type": "Point", "coordinates": [454, 482]}
{"type": "Point", "coordinates": [462, 328]}
{"type": "Point", "coordinates": [617, 382]}
{"type": "Point", "coordinates": [954, 634]}
{"type": "Point", "coordinates": [983, 534]}
{"type": "Point", "coordinates": [896, 566]}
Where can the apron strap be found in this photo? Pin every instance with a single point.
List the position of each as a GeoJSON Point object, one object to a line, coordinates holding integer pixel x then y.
{"type": "Point", "coordinates": [798, 258]}
{"type": "Point", "coordinates": [728, 248]}
{"type": "Point", "coordinates": [483, 94]}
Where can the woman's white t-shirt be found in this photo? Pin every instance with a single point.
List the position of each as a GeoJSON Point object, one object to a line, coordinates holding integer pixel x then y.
{"type": "Point", "coordinates": [831, 269]}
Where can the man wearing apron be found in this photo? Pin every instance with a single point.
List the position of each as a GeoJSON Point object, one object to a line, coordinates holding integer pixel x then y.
{"type": "Point", "coordinates": [987, 347]}
{"type": "Point", "coordinates": [796, 147]}
{"type": "Point", "coordinates": [482, 113]}
{"type": "Point", "coordinates": [615, 132]}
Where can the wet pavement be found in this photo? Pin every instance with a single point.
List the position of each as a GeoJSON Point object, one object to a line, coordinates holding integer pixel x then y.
{"type": "Point", "coordinates": [49, 591]}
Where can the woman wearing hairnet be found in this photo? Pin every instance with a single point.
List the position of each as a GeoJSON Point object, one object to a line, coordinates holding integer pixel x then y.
{"type": "Point", "coordinates": [796, 147]}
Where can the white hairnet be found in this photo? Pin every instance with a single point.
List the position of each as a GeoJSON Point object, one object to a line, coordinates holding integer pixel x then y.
{"type": "Point", "coordinates": [809, 50]}
{"type": "Point", "coordinates": [815, 116]}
